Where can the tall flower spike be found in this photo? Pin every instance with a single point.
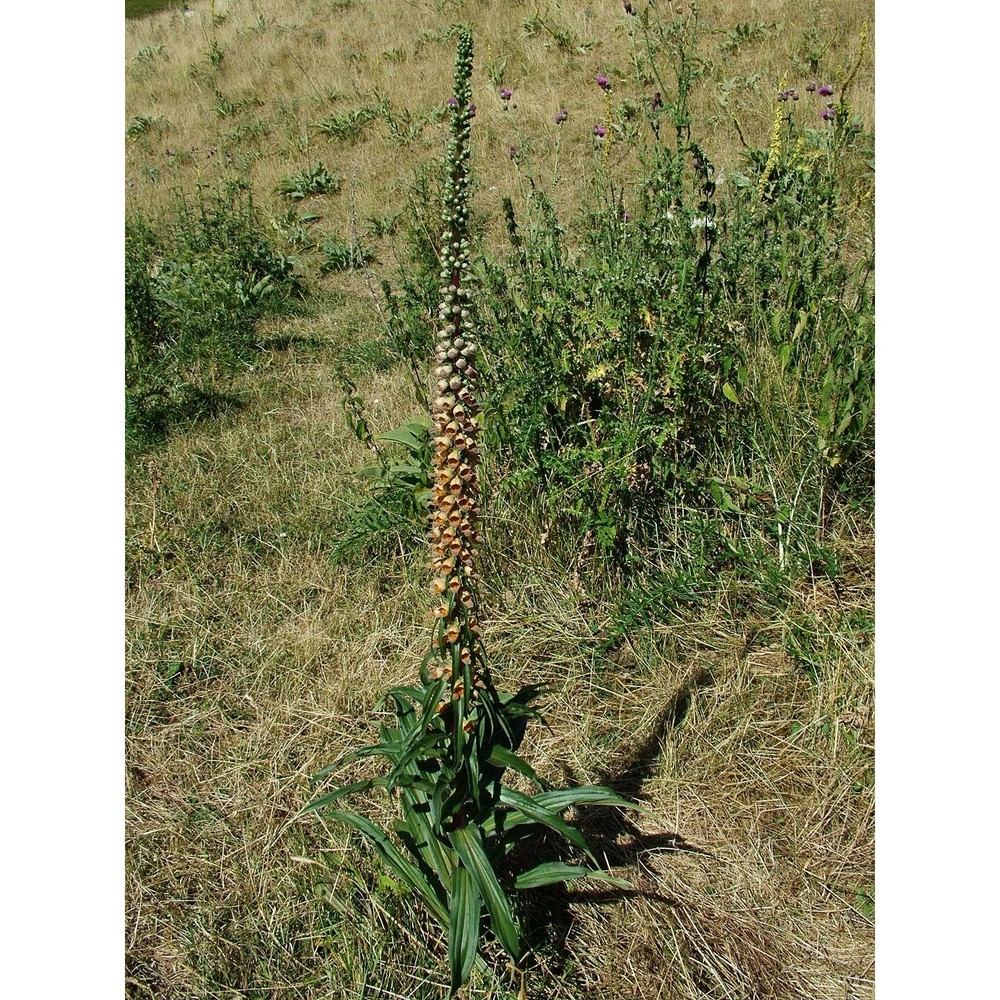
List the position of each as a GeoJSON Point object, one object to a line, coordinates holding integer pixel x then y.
{"type": "Point", "coordinates": [455, 496]}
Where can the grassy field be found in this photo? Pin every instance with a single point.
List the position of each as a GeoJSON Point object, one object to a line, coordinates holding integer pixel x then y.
{"type": "Point", "coordinates": [721, 671]}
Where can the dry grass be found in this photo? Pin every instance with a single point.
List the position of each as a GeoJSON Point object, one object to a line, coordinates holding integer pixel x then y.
{"type": "Point", "coordinates": [305, 60]}
{"type": "Point", "coordinates": [254, 659]}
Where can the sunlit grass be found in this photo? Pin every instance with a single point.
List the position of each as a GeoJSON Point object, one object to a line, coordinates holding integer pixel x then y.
{"type": "Point", "coordinates": [737, 704]}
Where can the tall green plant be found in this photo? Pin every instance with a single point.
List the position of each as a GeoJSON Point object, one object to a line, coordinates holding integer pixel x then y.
{"type": "Point", "coordinates": [456, 734]}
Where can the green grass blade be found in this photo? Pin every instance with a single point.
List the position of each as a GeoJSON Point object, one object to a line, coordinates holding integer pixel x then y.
{"type": "Point", "coordinates": [468, 842]}
{"type": "Point", "coordinates": [463, 930]}
{"type": "Point", "coordinates": [558, 871]}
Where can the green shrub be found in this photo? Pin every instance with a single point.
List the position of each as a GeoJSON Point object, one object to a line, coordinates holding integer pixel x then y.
{"type": "Point", "coordinates": [698, 336]}
{"type": "Point", "coordinates": [195, 286]}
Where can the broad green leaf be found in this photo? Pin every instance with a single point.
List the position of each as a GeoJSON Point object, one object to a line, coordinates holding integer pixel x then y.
{"type": "Point", "coordinates": [403, 436]}
{"type": "Point", "coordinates": [463, 929]}
{"type": "Point", "coordinates": [378, 750]}
{"type": "Point", "coordinates": [561, 799]}
{"type": "Point", "coordinates": [404, 868]}
{"type": "Point", "coordinates": [468, 842]}
{"type": "Point", "coordinates": [360, 786]}
{"type": "Point", "coordinates": [558, 871]}
{"type": "Point", "coordinates": [424, 858]}
{"type": "Point", "coordinates": [730, 393]}
{"type": "Point", "coordinates": [502, 757]}
{"type": "Point", "coordinates": [538, 813]}
{"type": "Point", "coordinates": [415, 694]}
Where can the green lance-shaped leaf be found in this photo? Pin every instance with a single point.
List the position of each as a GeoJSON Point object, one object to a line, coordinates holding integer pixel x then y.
{"type": "Point", "coordinates": [404, 868]}
{"type": "Point", "coordinates": [535, 812]}
{"type": "Point", "coordinates": [468, 841]}
{"type": "Point", "coordinates": [463, 928]}
{"type": "Point", "coordinates": [561, 799]}
{"type": "Point", "coordinates": [502, 757]}
{"type": "Point", "coordinates": [331, 797]}
{"type": "Point", "coordinates": [546, 805]}
{"type": "Point", "coordinates": [559, 871]}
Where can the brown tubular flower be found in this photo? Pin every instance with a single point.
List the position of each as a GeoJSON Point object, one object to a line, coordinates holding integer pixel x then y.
{"type": "Point", "coordinates": [454, 508]}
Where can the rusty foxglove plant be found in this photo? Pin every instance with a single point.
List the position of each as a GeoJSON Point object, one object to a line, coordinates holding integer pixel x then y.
{"type": "Point", "coordinates": [455, 735]}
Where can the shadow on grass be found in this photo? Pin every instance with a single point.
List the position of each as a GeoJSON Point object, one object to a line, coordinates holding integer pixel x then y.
{"type": "Point", "coordinates": [286, 342]}
{"type": "Point", "coordinates": [153, 416]}
{"type": "Point", "coordinates": [612, 836]}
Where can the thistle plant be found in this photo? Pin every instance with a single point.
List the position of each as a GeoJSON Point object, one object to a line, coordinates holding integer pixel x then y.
{"type": "Point", "coordinates": [455, 734]}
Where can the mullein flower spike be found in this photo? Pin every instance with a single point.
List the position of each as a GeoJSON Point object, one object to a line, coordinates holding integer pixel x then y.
{"type": "Point", "coordinates": [454, 509]}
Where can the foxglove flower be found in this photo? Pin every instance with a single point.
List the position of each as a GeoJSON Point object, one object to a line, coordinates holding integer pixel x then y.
{"type": "Point", "coordinates": [454, 507]}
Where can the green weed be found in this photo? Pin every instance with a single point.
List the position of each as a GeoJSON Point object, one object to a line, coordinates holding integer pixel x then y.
{"type": "Point", "coordinates": [341, 256]}
{"type": "Point", "coordinates": [310, 181]}
{"type": "Point", "coordinates": [195, 286]}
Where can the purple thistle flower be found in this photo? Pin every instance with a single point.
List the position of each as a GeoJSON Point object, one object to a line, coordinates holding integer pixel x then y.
{"type": "Point", "coordinates": [783, 96]}
{"type": "Point", "coordinates": [452, 102]}
{"type": "Point", "coordinates": [794, 94]}
{"type": "Point", "coordinates": [603, 82]}
{"type": "Point", "coordinates": [811, 86]}
{"type": "Point", "coordinates": [513, 152]}
{"type": "Point", "coordinates": [657, 101]}
{"type": "Point", "coordinates": [472, 111]}
{"type": "Point", "coordinates": [561, 117]}
{"type": "Point", "coordinates": [600, 131]}
{"type": "Point", "coordinates": [505, 94]}
{"type": "Point", "coordinates": [626, 215]}
{"type": "Point", "coordinates": [828, 114]}
{"type": "Point", "coordinates": [826, 90]}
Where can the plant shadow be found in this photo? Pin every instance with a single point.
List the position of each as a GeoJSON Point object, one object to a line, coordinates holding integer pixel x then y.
{"type": "Point", "coordinates": [157, 415]}
{"type": "Point", "coordinates": [613, 837]}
